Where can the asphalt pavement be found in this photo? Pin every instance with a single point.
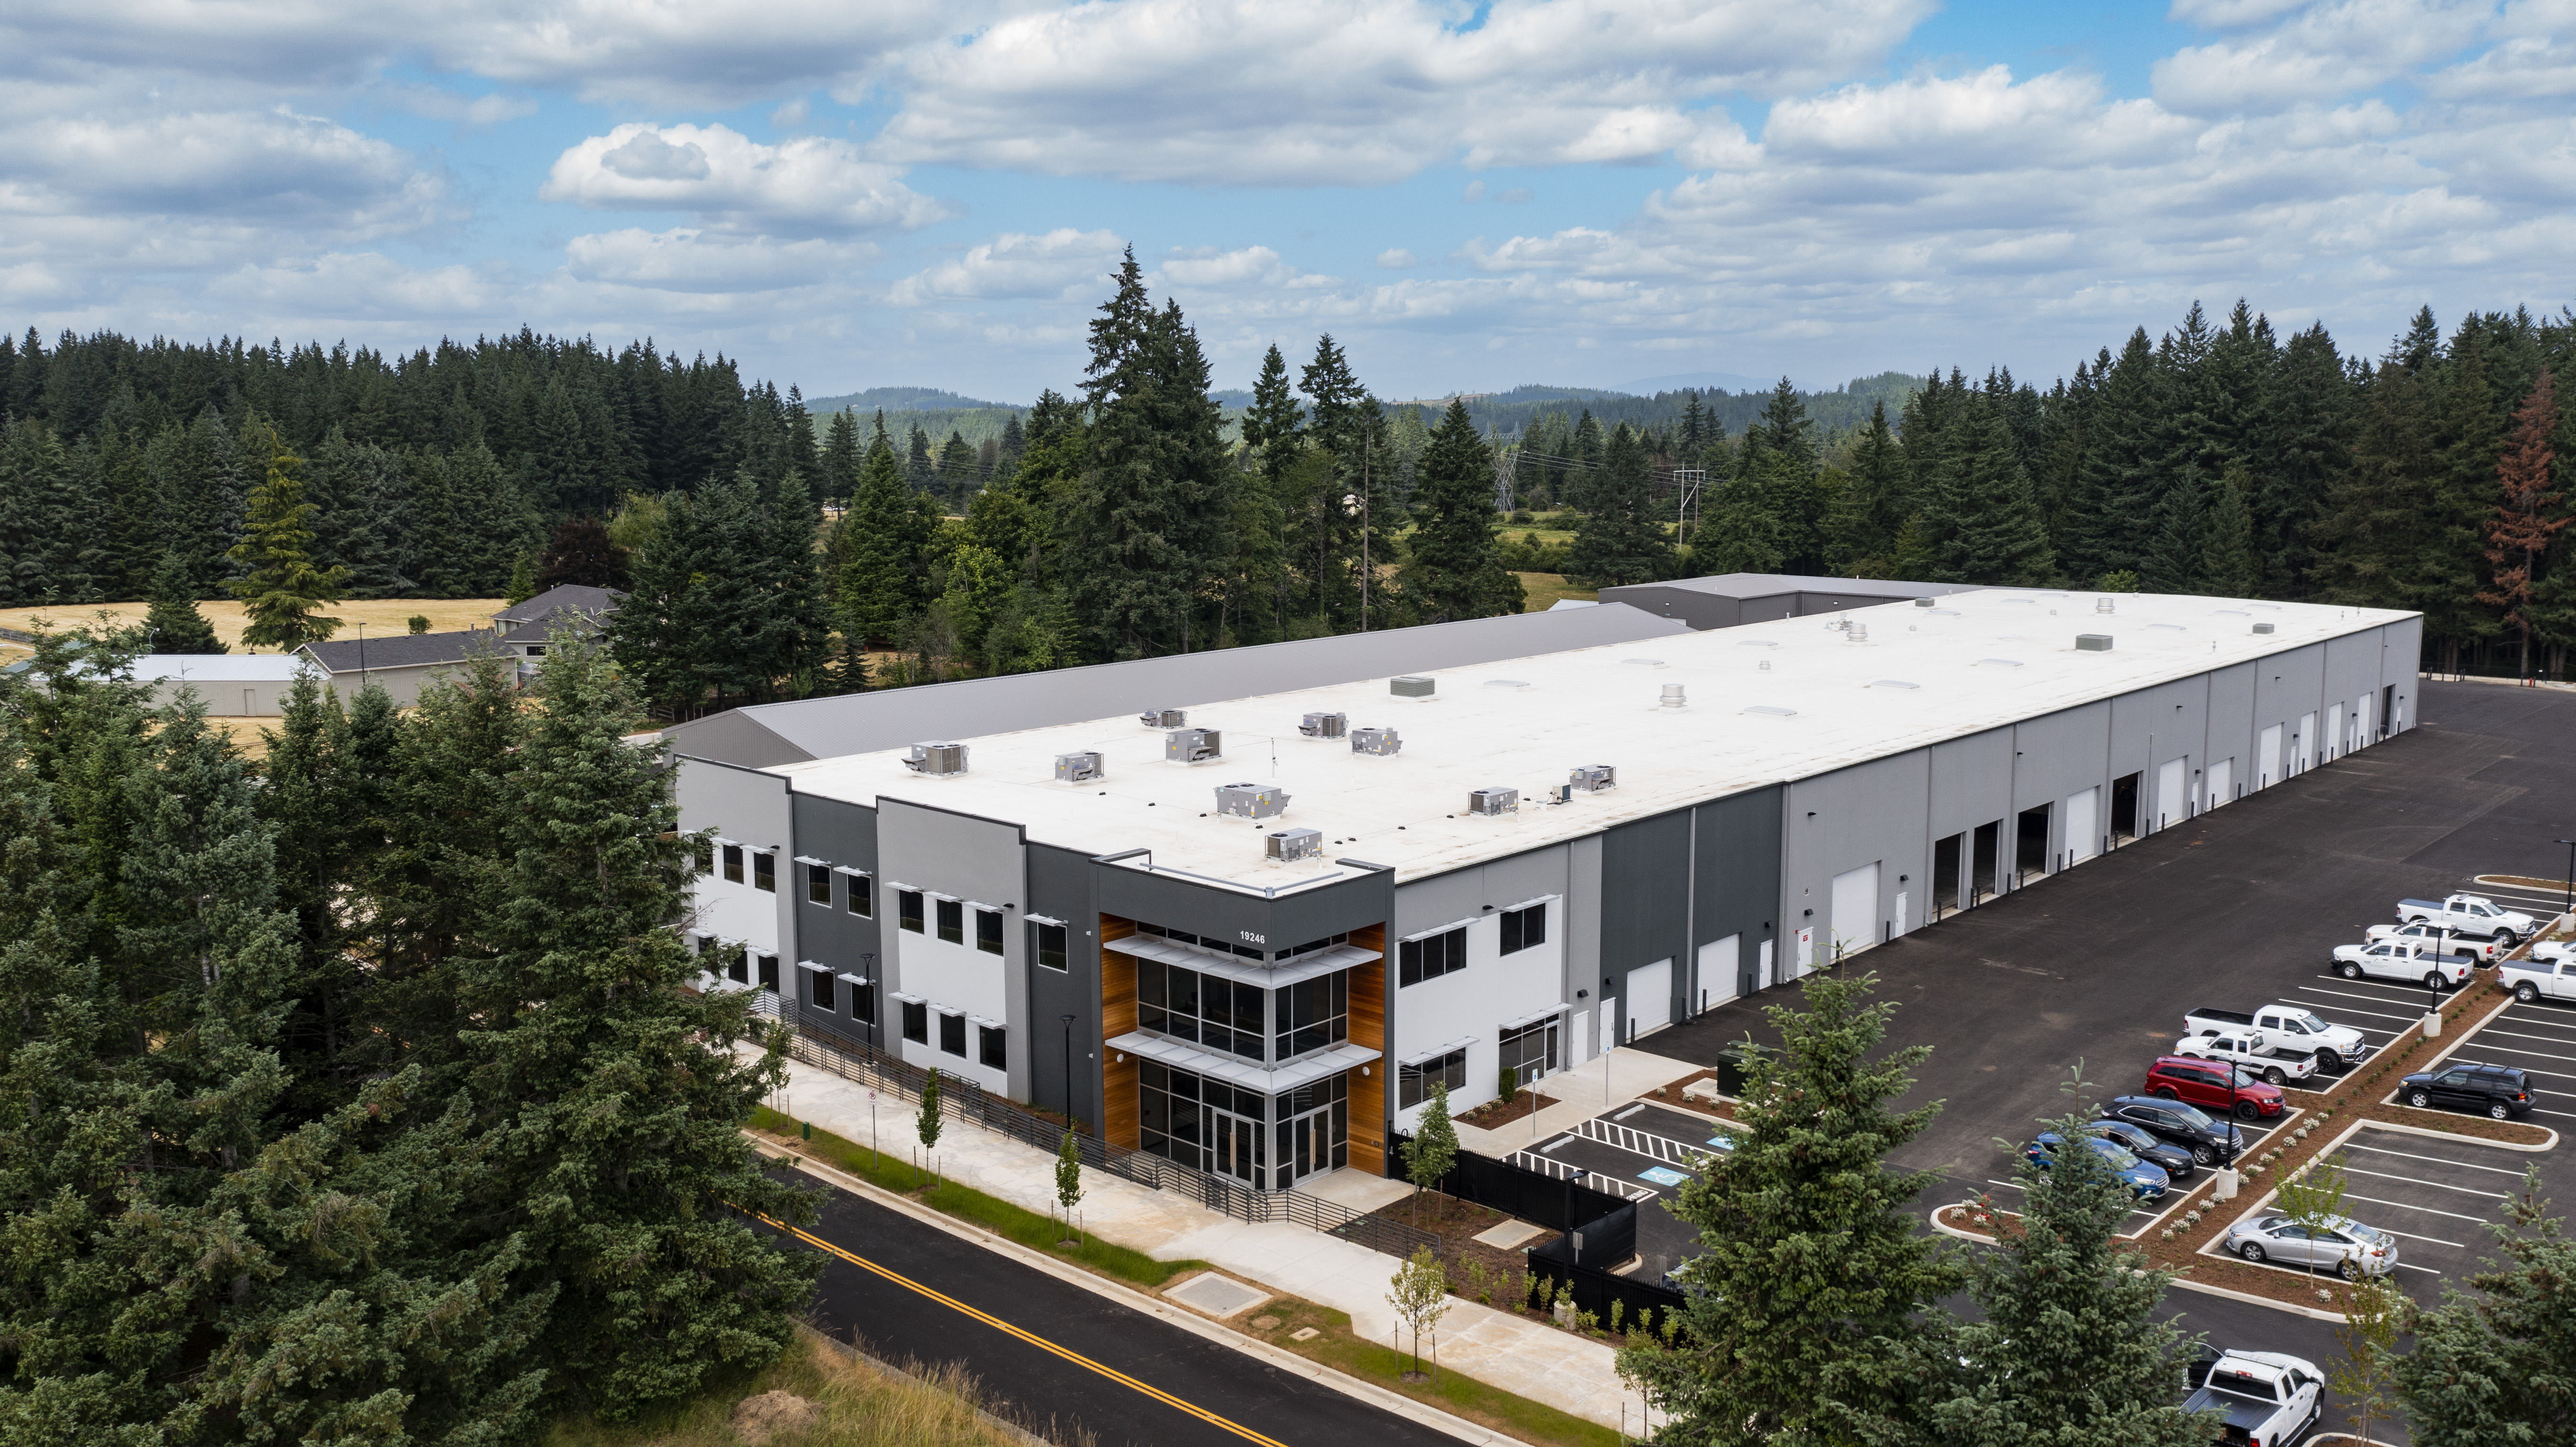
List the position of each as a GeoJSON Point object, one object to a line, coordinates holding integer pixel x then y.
{"type": "Point", "coordinates": [1057, 1350]}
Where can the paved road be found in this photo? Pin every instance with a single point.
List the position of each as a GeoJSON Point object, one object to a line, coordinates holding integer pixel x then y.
{"type": "Point", "coordinates": [1202, 1394]}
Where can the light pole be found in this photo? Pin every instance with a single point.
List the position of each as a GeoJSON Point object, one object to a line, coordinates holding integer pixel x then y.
{"type": "Point", "coordinates": [1068, 1070]}
{"type": "Point", "coordinates": [868, 968]}
{"type": "Point", "coordinates": [2570, 905]}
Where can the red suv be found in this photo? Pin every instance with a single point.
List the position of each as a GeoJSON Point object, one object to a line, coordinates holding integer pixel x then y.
{"type": "Point", "coordinates": [2206, 1083]}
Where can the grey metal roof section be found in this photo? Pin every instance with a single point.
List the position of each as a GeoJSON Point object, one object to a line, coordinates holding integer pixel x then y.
{"type": "Point", "coordinates": [1765, 585]}
{"type": "Point", "coordinates": [566, 597]}
{"type": "Point", "coordinates": [1728, 600]}
{"type": "Point", "coordinates": [400, 650]}
{"type": "Point", "coordinates": [765, 735]}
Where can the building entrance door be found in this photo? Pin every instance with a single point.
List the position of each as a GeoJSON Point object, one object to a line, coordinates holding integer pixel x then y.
{"type": "Point", "coordinates": [1238, 1147]}
{"type": "Point", "coordinates": [1314, 1136]}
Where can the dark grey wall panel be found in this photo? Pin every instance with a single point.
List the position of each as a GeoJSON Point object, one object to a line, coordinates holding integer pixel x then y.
{"type": "Point", "coordinates": [1645, 906]}
{"type": "Point", "coordinates": [842, 834]}
{"type": "Point", "coordinates": [1060, 887]}
{"type": "Point", "coordinates": [1736, 889]}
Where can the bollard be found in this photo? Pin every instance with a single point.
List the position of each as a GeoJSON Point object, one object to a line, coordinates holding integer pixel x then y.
{"type": "Point", "coordinates": [2227, 1180]}
{"type": "Point", "coordinates": [2432, 1024]}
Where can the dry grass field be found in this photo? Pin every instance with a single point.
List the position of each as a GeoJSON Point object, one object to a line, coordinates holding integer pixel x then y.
{"type": "Point", "coordinates": [380, 615]}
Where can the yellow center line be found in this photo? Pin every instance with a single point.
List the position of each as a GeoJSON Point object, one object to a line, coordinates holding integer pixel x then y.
{"type": "Point", "coordinates": [1075, 1357]}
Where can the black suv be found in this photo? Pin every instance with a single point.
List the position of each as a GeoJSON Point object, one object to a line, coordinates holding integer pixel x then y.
{"type": "Point", "coordinates": [2498, 1090]}
{"type": "Point", "coordinates": [2146, 1145]}
{"type": "Point", "coordinates": [2188, 1126]}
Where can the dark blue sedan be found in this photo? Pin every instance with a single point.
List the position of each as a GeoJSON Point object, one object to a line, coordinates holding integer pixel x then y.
{"type": "Point", "coordinates": [2144, 1181]}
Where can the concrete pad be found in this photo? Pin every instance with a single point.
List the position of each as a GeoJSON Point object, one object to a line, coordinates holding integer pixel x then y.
{"type": "Point", "coordinates": [1216, 1295]}
{"type": "Point", "coordinates": [1510, 1235]}
{"type": "Point", "coordinates": [1358, 1190]}
{"type": "Point", "coordinates": [1580, 1094]}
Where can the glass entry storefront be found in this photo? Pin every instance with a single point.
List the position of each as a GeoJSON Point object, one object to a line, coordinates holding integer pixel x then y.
{"type": "Point", "coordinates": [1267, 1142]}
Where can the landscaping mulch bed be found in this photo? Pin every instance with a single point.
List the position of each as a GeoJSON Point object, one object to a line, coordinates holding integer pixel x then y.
{"type": "Point", "coordinates": [1494, 1112]}
{"type": "Point", "coordinates": [2510, 1132]}
{"type": "Point", "coordinates": [1700, 1105]}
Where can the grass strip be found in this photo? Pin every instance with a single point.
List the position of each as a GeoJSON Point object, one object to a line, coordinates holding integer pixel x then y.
{"type": "Point", "coordinates": [860, 1407]}
{"type": "Point", "coordinates": [1028, 1228]}
{"type": "Point", "coordinates": [1336, 1346]}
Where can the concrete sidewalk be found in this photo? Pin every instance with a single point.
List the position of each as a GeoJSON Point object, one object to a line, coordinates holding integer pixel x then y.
{"type": "Point", "coordinates": [1580, 1094]}
{"type": "Point", "coordinates": [1573, 1374]}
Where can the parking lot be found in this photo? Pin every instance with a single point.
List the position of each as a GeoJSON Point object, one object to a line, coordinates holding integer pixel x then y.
{"type": "Point", "coordinates": [2539, 1038]}
{"type": "Point", "coordinates": [1642, 1151]}
{"type": "Point", "coordinates": [2437, 1197]}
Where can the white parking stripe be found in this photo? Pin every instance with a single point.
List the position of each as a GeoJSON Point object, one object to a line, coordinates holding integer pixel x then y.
{"type": "Point", "coordinates": [2348, 1010]}
{"type": "Point", "coordinates": [2436, 1185]}
{"type": "Point", "coordinates": [2018, 1186]}
{"type": "Point", "coordinates": [2427, 1210]}
{"type": "Point", "coordinates": [2411, 1266]}
{"type": "Point", "coordinates": [2350, 987]}
{"type": "Point", "coordinates": [2518, 1050]}
{"type": "Point", "coordinates": [2430, 1240]}
{"type": "Point", "coordinates": [2518, 1035]}
{"type": "Point", "coordinates": [2437, 1160]}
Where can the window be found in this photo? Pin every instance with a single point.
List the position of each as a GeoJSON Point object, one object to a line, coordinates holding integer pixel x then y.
{"type": "Point", "coordinates": [863, 1005]}
{"type": "Point", "coordinates": [733, 863]}
{"type": "Point", "coordinates": [1183, 1116]}
{"type": "Point", "coordinates": [1209, 1010]}
{"type": "Point", "coordinates": [916, 1022]}
{"type": "Point", "coordinates": [1414, 1082]}
{"type": "Point", "coordinates": [952, 1035]}
{"type": "Point", "coordinates": [1523, 928]}
{"type": "Point", "coordinates": [764, 871]}
{"type": "Point", "coordinates": [706, 856]}
{"type": "Point", "coordinates": [818, 989]}
{"type": "Point", "coordinates": [1051, 940]}
{"type": "Point", "coordinates": [738, 966]}
{"type": "Point", "coordinates": [818, 884]}
{"type": "Point", "coordinates": [988, 931]}
{"type": "Point", "coordinates": [993, 1047]}
{"type": "Point", "coordinates": [769, 973]}
{"type": "Point", "coordinates": [1530, 1051]}
{"type": "Point", "coordinates": [859, 894]}
{"type": "Point", "coordinates": [1429, 959]}
{"type": "Point", "coordinates": [1312, 1015]}
{"type": "Point", "coordinates": [907, 910]}
{"type": "Point", "coordinates": [952, 925]}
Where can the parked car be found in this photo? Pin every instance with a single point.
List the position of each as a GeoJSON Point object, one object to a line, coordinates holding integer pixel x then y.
{"type": "Point", "coordinates": [2485, 947]}
{"type": "Point", "coordinates": [2468, 911]}
{"type": "Point", "coordinates": [2146, 1182]}
{"type": "Point", "coordinates": [2268, 1399]}
{"type": "Point", "coordinates": [2214, 1084]}
{"type": "Point", "coordinates": [2403, 960]}
{"type": "Point", "coordinates": [2290, 1029]}
{"type": "Point", "coordinates": [2538, 979]}
{"type": "Point", "coordinates": [2501, 1091]}
{"type": "Point", "coordinates": [2343, 1246]}
{"type": "Point", "coordinates": [2243, 1050]}
{"type": "Point", "coordinates": [2556, 952]}
{"type": "Point", "coordinates": [2175, 1161]}
{"type": "Point", "coordinates": [2210, 1141]}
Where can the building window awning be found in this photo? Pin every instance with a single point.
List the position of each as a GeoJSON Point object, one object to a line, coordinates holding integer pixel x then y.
{"type": "Point", "coordinates": [908, 999]}
{"type": "Point", "coordinates": [1540, 899]}
{"type": "Point", "coordinates": [1043, 919]}
{"type": "Point", "coordinates": [850, 869]}
{"type": "Point", "coordinates": [1230, 967]}
{"type": "Point", "coordinates": [1550, 1013]}
{"type": "Point", "coordinates": [816, 967]}
{"type": "Point", "coordinates": [810, 859]}
{"type": "Point", "coordinates": [849, 979]}
{"type": "Point", "coordinates": [1437, 1051]}
{"type": "Point", "coordinates": [1227, 1068]}
{"type": "Point", "coordinates": [1441, 929]}
{"type": "Point", "coordinates": [987, 1024]}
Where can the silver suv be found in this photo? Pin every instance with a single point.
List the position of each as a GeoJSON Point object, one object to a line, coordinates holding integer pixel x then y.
{"type": "Point", "coordinates": [2345, 1247]}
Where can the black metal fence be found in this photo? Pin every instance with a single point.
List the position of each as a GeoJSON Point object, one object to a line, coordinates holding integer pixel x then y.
{"type": "Point", "coordinates": [964, 1100]}
{"type": "Point", "coordinates": [1592, 1289]}
{"type": "Point", "coordinates": [1514, 1190]}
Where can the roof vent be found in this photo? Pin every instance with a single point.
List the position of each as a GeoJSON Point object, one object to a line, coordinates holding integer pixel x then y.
{"type": "Point", "coordinates": [1381, 742]}
{"type": "Point", "coordinates": [1922, 602]}
{"type": "Point", "coordinates": [1287, 846]}
{"type": "Point", "coordinates": [1494, 801]}
{"type": "Point", "coordinates": [1083, 768]}
{"type": "Point", "coordinates": [1643, 662]}
{"type": "Point", "coordinates": [1162, 718]}
{"type": "Point", "coordinates": [1766, 665]}
{"type": "Point", "coordinates": [1193, 746]}
{"type": "Point", "coordinates": [2166, 627]}
{"type": "Point", "coordinates": [2092, 642]}
{"type": "Point", "coordinates": [2103, 605]}
{"type": "Point", "coordinates": [1757, 643]}
{"type": "Point", "coordinates": [1773, 710]}
{"type": "Point", "coordinates": [1505, 683]}
{"type": "Point", "coordinates": [2262, 627]}
{"type": "Point", "coordinates": [1856, 632]}
{"type": "Point", "coordinates": [1251, 801]}
{"type": "Point", "coordinates": [1996, 663]}
{"type": "Point", "coordinates": [1412, 685]}
{"type": "Point", "coordinates": [1593, 778]}
{"type": "Point", "coordinates": [936, 760]}
{"type": "Point", "coordinates": [1945, 612]}
{"type": "Point", "coordinates": [1894, 683]}
{"type": "Point", "coordinates": [1325, 725]}
{"type": "Point", "coordinates": [1673, 695]}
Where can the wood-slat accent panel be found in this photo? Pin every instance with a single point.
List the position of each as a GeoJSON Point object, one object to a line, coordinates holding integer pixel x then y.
{"type": "Point", "coordinates": [1368, 1028]}
{"type": "Point", "coordinates": [1118, 1017]}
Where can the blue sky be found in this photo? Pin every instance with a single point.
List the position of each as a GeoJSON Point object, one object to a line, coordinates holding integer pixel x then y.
{"type": "Point", "coordinates": [1568, 191]}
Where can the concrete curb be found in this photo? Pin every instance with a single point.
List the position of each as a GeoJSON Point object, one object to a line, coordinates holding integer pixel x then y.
{"type": "Point", "coordinates": [1283, 1360]}
{"type": "Point", "coordinates": [1962, 1232]}
{"type": "Point", "coordinates": [2451, 1135]}
{"type": "Point", "coordinates": [2250, 1299]}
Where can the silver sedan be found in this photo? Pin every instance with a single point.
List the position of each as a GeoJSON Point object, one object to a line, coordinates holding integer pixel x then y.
{"type": "Point", "coordinates": [2343, 1246]}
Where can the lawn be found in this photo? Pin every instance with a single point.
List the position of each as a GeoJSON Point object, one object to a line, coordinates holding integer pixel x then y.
{"type": "Point", "coordinates": [1543, 589]}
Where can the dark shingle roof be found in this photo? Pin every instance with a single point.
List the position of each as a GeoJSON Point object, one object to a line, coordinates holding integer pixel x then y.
{"type": "Point", "coordinates": [567, 597]}
{"type": "Point", "coordinates": [402, 650]}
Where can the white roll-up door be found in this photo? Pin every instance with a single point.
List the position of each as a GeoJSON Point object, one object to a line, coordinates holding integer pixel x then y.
{"type": "Point", "coordinates": [2173, 802]}
{"type": "Point", "coordinates": [1720, 963]}
{"type": "Point", "coordinates": [2222, 781]}
{"type": "Point", "coordinates": [1650, 998]}
{"type": "Point", "coordinates": [2335, 744]}
{"type": "Point", "coordinates": [2082, 842]}
{"type": "Point", "coordinates": [1855, 916]}
{"type": "Point", "coordinates": [2267, 758]}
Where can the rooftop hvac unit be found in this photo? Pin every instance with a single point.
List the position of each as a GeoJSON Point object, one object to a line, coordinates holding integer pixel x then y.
{"type": "Point", "coordinates": [2262, 627]}
{"type": "Point", "coordinates": [1494, 801]}
{"type": "Point", "coordinates": [1162, 718]}
{"type": "Point", "coordinates": [1286, 846]}
{"type": "Point", "coordinates": [1409, 686]}
{"type": "Point", "coordinates": [1673, 694]}
{"type": "Point", "coordinates": [1325, 725]}
{"type": "Point", "coordinates": [1381, 742]}
{"type": "Point", "coordinates": [1922, 602]}
{"type": "Point", "coordinates": [1250, 801]}
{"type": "Point", "coordinates": [1191, 746]}
{"type": "Point", "coordinates": [936, 760]}
{"type": "Point", "coordinates": [1079, 768]}
{"type": "Point", "coordinates": [2103, 605]}
{"type": "Point", "coordinates": [1593, 777]}
{"type": "Point", "coordinates": [2092, 642]}
{"type": "Point", "coordinates": [1856, 632]}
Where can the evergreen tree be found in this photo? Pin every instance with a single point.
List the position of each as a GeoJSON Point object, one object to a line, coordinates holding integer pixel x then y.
{"type": "Point", "coordinates": [50, 547]}
{"type": "Point", "coordinates": [1737, 533]}
{"type": "Point", "coordinates": [2306, 445]}
{"type": "Point", "coordinates": [1148, 514]}
{"type": "Point", "coordinates": [1619, 540]}
{"type": "Point", "coordinates": [1809, 1263]}
{"type": "Point", "coordinates": [1862, 531]}
{"type": "Point", "coordinates": [1980, 522]}
{"type": "Point", "coordinates": [580, 552]}
{"type": "Point", "coordinates": [875, 591]}
{"type": "Point", "coordinates": [173, 624]}
{"type": "Point", "coordinates": [2172, 563]}
{"type": "Point", "coordinates": [1274, 421]}
{"type": "Point", "coordinates": [2524, 525]}
{"type": "Point", "coordinates": [2494, 1367]}
{"type": "Point", "coordinates": [840, 460]}
{"type": "Point", "coordinates": [1335, 398]}
{"type": "Point", "coordinates": [2122, 478]}
{"type": "Point", "coordinates": [523, 580]}
{"type": "Point", "coordinates": [958, 474]}
{"type": "Point", "coordinates": [919, 468]}
{"type": "Point", "coordinates": [281, 590]}
{"type": "Point", "coordinates": [2227, 567]}
{"type": "Point", "coordinates": [792, 611]}
{"type": "Point", "coordinates": [1452, 572]}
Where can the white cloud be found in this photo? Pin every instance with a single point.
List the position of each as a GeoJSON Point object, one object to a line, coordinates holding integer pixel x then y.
{"type": "Point", "coordinates": [807, 186]}
{"type": "Point", "coordinates": [439, 104]}
{"type": "Point", "coordinates": [1396, 258]}
{"type": "Point", "coordinates": [686, 260]}
{"type": "Point", "coordinates": [2316, 52]}
{"type": "Point", "coordinates": [1016, 267]}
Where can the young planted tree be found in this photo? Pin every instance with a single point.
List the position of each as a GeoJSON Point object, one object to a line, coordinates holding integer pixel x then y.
{"type": "Point", "coordinates": [1433, 1151]}
{"type": "Point", "coordinates": [2496, 1366]}
{"type": "Point", "coordinates": [1419, 1292]}
{"type": "Point", "coordinates": [282, 592]}
{"type": "Point", "coordinates": [1068, 1178]}
{"type": "Point", "coordinates": [1809, 1262]}
{"type": "Point", "coordinates": [173, 624]}
{"type": "Point", "coordinates": [927, 1123]}
{"type": "Point", "coordinates": [2313, 1199]}
{"type": "Point", "coordinates": [2365, 1374]}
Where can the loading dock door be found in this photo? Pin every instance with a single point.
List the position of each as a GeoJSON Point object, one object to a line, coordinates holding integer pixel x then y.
{"type": "Point", "coordinates": [2172, 804]}
{"type": "Point", "coordinates": [2388, 719]}
{"type": "Point", "coordinates": [2303, 744]}
{"type": "Point", "coordinates": [1720, 971]}
{"type": "Point", "coordinates": [1982, 881]}
{"type": "Point", "coordinates": [2082, 842]}
{"type": "Point", "coordinates": [1855, 916]}
{"type": "Point", "coordinates": [2124, 807]}
{"type": "Point", "coordinates": [2030, 844]}
{"type": "Point", "coordinates": [2222, 781]}
{"type": "Point", "coordinates": [2267, 758]}
{"type": "Point", "coordinates": [1650, 998]}
{"type": "Point", "coordinates": [1946, 865]}
{"type": "Point", "coordinates": [2365, 719]}
{"type": "Point", "coordinates": [2334, 732]}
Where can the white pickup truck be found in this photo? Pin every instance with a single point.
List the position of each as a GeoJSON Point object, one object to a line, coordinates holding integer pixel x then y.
{"type": "Point", "coordinates": [2537, 979]}
{"type": "Point", "coordinates": [2403, 960]}
{"type": "Point", "coordinates": [2265, 1399]}
{"type": "Point", "coordinates": [2442, 937]}
{"type": "Point", "coordinates": [2468, 912]}
{"type": "Point", "coordinates": [2247, 1050]}
{"type": "Point", "coordinates": [2287, 1030]}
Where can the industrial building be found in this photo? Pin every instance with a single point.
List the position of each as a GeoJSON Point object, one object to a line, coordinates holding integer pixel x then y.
{"type": "Point", "coordinates": [1246, 909]}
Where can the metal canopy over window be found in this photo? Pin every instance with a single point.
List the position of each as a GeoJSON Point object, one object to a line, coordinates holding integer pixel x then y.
{"type": "Point", "coordinates": [1236, 1072]}
{"type": "Point", "coordinates": [1550, 1013]}
{"type": "Point", "coordinates": [1303, 967]}
{"type": "Point", "coordinates": [850, 979]}
{"type": "Point", "coordinates": [1437, 1051]}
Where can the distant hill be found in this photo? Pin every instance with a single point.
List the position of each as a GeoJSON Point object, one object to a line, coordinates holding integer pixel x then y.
{"type": "Point", "coordinates": [905, 399]}
{"type": "Point", "coordinates": [1701, 382]}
